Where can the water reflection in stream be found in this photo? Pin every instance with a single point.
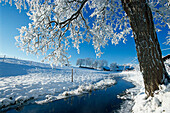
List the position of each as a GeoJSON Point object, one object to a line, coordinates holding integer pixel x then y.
{"type": "Point", "coordinates": [99, 101]}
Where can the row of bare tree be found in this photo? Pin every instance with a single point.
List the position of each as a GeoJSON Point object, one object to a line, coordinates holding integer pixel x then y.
{"type": "Point", "coordinates": [89, 62]}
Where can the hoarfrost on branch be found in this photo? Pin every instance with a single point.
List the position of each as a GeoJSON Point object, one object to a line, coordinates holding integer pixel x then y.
{"type": "Point", "coordinates": [56, 24]}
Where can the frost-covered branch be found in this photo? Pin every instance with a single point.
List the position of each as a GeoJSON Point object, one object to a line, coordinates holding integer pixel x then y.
{"type": "Point", "coordinates": [57, 25]}
{"type": "Point", "coordinates": [161, 14]}
{"type": "Point", "coordinates": [73, 16]}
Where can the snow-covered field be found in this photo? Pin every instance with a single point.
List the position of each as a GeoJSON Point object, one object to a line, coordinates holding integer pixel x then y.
{"type": "Point", "coordinates": [26, 81]}
{"type": "Point", "coordinates": [23, 81]}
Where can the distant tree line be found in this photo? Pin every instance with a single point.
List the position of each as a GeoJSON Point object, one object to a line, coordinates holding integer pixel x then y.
{"type": "Point", "coordinates": [113, 66]}
{"type": "Point", "coordinates": [89, 62]}
{"type": "Point", "coordinates": [102, 64]}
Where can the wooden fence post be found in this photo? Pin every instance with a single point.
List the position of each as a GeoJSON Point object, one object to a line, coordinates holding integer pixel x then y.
{"type": "Point", "coordinates": [4, 58]}
{"type": "Point", "coordinates": [72, 76]}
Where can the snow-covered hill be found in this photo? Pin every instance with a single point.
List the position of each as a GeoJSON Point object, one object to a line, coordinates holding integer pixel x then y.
{"type": "Point", "coordinates": [24, 81]}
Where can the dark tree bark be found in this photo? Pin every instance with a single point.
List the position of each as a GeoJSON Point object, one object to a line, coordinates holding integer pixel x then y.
{"type": "Point", "coordinates": [147, 45]}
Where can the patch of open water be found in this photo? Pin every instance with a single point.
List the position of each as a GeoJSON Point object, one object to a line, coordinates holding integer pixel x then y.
{"type": "Point", "coordinates": [99, 101]}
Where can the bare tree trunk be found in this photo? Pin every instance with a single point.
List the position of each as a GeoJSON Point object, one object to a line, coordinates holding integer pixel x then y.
{"type": "Point", "coordinates": [147, 45]}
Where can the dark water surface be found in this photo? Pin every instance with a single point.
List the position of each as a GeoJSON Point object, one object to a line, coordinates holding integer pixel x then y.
{"type": "Point", "coordinates": [99, 101]}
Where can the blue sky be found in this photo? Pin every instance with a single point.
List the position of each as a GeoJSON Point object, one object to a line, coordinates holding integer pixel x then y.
{"type": "Point", "coordinates": [11, 19]}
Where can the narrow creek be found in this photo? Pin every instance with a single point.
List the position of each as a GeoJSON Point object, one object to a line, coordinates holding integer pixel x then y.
{"type": "Point", "coordinates": [99, 101]}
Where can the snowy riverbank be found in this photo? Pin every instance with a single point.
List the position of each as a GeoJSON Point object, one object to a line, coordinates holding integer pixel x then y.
{"type": "Point", "coordinates": [25, 81]}
{"type": "Point", "coordinates": [160, 103]}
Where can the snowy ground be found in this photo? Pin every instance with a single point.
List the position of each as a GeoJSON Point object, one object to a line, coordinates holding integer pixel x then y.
{"type": "Point", "coordinates": [137, 102]}
{"type": "Point", "coordinates": [26, 81]}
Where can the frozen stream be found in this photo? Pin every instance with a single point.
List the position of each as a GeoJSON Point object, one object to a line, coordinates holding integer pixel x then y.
{"type": "Point", "coordinates": [99, 101]}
